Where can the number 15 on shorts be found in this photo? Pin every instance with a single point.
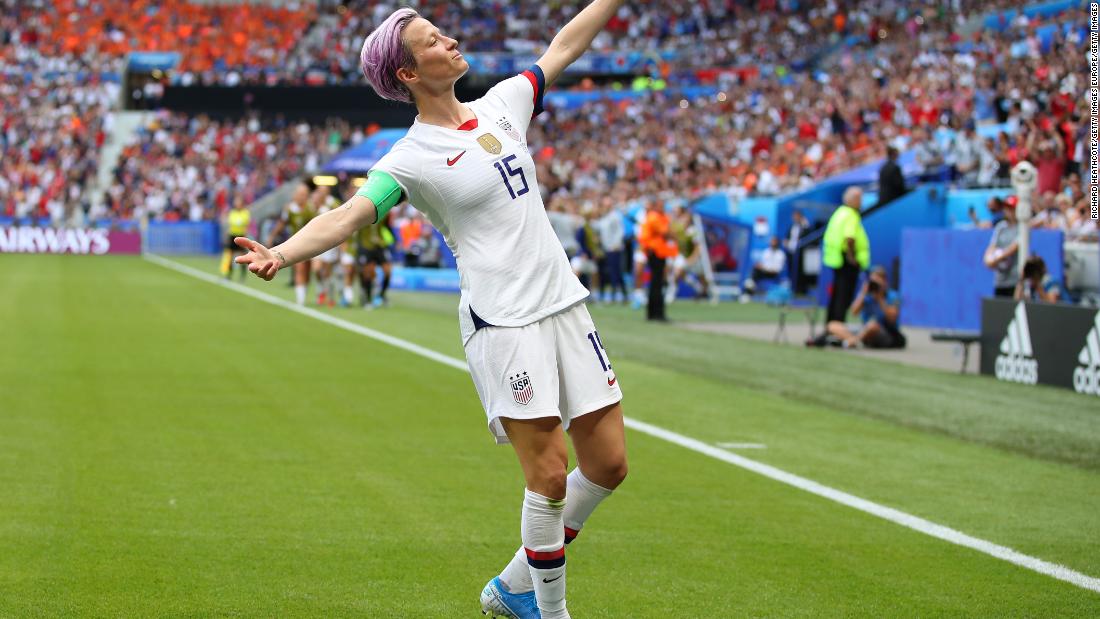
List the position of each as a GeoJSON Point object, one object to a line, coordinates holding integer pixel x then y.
{"type": "Point", "coordinates": [601, 352]}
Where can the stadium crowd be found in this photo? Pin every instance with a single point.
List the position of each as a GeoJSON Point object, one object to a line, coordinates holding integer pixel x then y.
{"type": "Point", "coordinates": [51, 133]}
{"type": "Point", "coordinates": [318, 42]}
{"type": "Point", "coordinates": [760, 136]}
{"type": "Point", "coordinates": [182, 167]}
{"type": "Point", "coordinates": [772, 136]}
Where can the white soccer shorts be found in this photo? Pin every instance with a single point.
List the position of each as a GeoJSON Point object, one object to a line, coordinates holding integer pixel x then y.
{"type": "Point", "coordinates": [347, 259]}
{"type": "Point", "coordinates": [556, 367]}
{"type": "Point", "coordinates": [330, 256]}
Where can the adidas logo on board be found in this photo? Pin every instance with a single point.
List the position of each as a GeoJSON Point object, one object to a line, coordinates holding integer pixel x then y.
{"type": "Point", "coordinates": [1015, 363]}
{"type": "Point", "coordinates": [1086, 379]}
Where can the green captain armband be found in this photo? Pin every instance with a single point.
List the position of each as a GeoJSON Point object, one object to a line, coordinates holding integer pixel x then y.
{"type": "Point", "coordinates": [383, 190]}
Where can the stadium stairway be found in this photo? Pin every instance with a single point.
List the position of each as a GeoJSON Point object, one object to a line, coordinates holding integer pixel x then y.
{"type": "Point", "coordinates": [123, 129]}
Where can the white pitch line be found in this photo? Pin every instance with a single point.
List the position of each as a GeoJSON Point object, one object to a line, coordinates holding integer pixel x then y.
{"type": "Point", "coordinates": [910, 521]}
{"type": "Point", "coordinates": [742, 445]}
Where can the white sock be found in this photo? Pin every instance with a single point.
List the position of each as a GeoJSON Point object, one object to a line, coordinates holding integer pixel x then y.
{"type": "Point", "coordinates": [544, 542]}
{"type": "Point", "coordinates": [300, 294]}
{"type": "Point", "coordinates": [349, 295]}
{"type": "Point", "coordinates": [516, 576]}
{"type": "Point", "coordinates": [581, 498]}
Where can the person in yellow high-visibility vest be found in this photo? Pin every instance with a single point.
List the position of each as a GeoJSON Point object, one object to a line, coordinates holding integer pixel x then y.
{"type": "Point", "coordinates": [847, 252]}
{"type": "Point", "coordinates": [237, 220]}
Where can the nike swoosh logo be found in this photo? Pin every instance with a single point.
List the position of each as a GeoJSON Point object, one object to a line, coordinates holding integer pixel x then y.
{"type": "Point", "coordinates": [552, 579]}
{"type": "Point", "coordinates": [451, 162]}
{"type": "Point", "coordinates": [611, 381]}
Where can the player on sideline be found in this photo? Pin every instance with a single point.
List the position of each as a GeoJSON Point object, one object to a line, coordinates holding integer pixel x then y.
{"type": "Point", "coordinates": [296, 215]}
{"type": "Point", "coordinates": [325, 264]}
{"type": "Point", "coordinates": [534, 355]}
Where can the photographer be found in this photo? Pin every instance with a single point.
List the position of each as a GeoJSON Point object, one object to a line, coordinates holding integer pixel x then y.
{"type": "Point", "coordinates": [1036, 284]}
{"type": "Point", "coordinates": [879, 307]}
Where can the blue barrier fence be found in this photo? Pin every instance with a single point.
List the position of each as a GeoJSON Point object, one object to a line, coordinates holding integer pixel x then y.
{"type": "Point", "coordinates": [428, 280]}
{"type": "Point", "coordinates": [943, 278]}
{"type": "Point", "coordinates": [202, 237]}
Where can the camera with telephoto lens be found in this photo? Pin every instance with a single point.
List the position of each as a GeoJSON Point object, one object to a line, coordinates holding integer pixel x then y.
{"type": "Point", "coordinates": [872, 286]}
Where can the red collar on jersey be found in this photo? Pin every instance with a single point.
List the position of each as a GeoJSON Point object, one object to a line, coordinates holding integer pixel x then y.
{"type": "Point", "coordinates": [469, 125]}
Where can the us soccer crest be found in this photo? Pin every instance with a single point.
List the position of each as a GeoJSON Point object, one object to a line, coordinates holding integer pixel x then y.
{"type": "Point", "coordinates": [490, 143]}
{"type": "Point", "coordinates": [522, 390]}
{"type": "Point", "coordinates": [508, 129]}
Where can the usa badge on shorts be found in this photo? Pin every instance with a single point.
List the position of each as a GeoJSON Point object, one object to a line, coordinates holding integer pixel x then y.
{"type": "Point", "coordinates": [521, 388]}
{"type": "Point", "coordinates": [490, 143]}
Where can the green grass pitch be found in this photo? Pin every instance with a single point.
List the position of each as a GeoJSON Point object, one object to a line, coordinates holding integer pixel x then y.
{"type": "Point", "coordinates": [171, 448]}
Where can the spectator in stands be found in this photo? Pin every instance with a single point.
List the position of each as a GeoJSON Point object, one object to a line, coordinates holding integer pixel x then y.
{"type": "Point", "coordinates": [1036, 284]}
{"type": "Point", "coordinates": [847, 252]}
{"type": "Point", "coordinates": [1051, 211]}
{"type": "Point", "coordinates": [965, 155]}
{"type": "Point", "coordinates": [1050, 158]}
{"type": "Point", "coordinates": [891, 183]}
{"type": "Point", "coordinates": [928, 156]}
{"type": "Point", "coordinates": [771, 266]}
{"type": "Point", "coordinates": [988, 165]}
{"type": "Point", "coordinates": [1080, 228]}
{"type": "Point", "coordinates": [1000, 255]}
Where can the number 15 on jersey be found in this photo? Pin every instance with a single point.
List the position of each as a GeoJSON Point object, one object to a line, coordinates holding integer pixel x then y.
{"type": "Point", "coordinates": [504, 166]}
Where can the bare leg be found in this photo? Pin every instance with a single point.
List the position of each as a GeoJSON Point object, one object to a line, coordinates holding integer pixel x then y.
{"type": "Point", "coordinates": [540, 446]}
{"type": "Point", "coordinates": [840, 330]}
{"type": "Point", "coordinates": [599, 439]}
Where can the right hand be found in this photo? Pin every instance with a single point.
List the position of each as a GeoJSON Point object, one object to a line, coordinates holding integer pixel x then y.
{"type": "Point", "coordinates": [259, 259]}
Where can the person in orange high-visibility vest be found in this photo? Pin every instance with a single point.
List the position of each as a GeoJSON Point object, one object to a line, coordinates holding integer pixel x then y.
{"type": "Point", "coordinates": [658, 247]}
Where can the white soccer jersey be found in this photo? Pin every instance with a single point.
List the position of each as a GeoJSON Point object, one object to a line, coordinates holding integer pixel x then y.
{"type": "Point", "coordinates": [479, 189]}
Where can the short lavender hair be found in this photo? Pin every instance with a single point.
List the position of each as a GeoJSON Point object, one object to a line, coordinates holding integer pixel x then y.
{"type": "Point", "coordinates": [384, 52]}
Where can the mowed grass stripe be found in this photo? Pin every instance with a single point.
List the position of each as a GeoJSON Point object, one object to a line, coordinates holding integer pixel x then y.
{"type": "Point", "coordinates": [913, 522]}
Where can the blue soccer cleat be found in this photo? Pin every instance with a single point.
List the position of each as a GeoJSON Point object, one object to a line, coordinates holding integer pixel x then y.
{"type": "Point", "coordinates": [498, 602]}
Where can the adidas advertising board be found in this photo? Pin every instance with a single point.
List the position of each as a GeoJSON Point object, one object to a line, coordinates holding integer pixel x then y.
{"type": "Point", "coordinates": [1031, 343]}
{"type": "Point", "coordinates": [1086, 376]}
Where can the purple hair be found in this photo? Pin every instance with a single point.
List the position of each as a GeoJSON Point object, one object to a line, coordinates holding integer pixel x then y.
{"type": "Point", "coordinates": [384, 52]}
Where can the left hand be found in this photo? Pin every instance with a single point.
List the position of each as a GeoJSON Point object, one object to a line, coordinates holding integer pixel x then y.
{"type": "Point", "coordinates": [259, 259]}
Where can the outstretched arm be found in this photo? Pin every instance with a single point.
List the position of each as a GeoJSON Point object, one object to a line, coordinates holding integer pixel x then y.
{"type": "Point", "coordinates": [575, 37]}
{"type": "Point", "coordinates": [319, 235]}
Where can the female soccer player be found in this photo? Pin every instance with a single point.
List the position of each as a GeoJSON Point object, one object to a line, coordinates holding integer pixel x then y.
{"type": "Point", "coordinates": [534, 354]}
